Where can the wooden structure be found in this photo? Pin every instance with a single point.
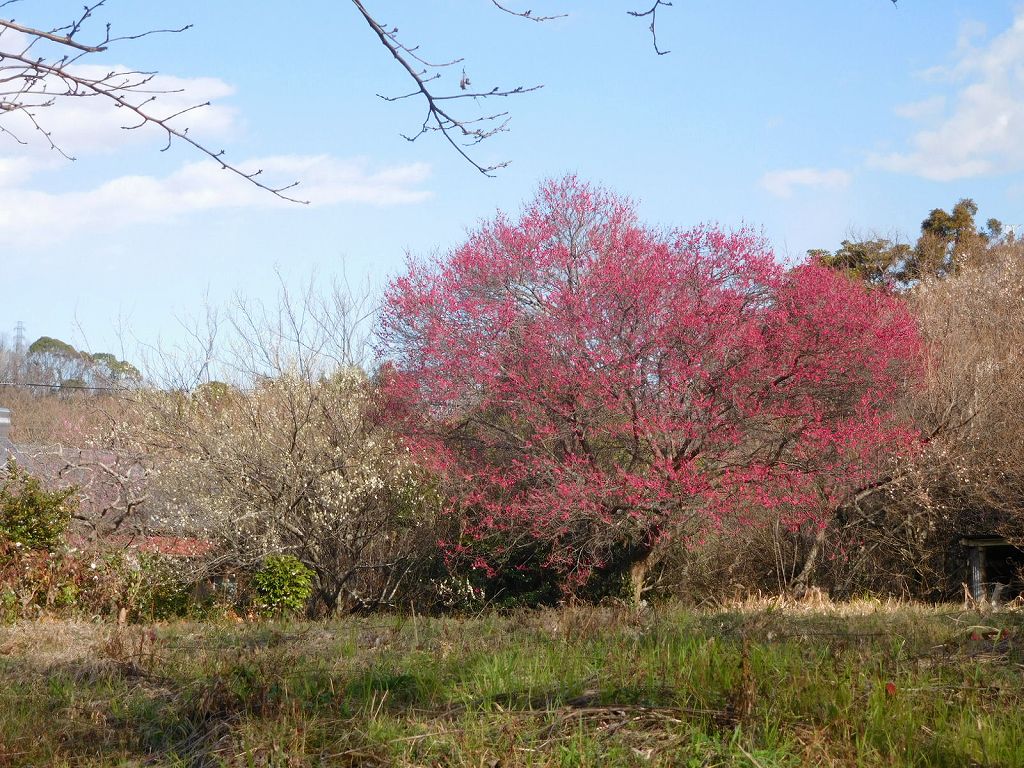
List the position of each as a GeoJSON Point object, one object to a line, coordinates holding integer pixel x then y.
{"type": "Point", "coordinates": [979, 552]}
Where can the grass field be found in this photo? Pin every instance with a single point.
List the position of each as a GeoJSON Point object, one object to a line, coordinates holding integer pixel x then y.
{"type": "Point", "coordinates": [754, 685]}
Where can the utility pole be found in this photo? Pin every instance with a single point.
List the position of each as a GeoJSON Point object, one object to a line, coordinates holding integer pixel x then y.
{"type": "Point", "coordinates": [19, 338]}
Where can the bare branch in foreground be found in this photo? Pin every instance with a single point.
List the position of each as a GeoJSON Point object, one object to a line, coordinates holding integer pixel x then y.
{"type": "Point", "coordinates": [529, 15]}
{"type": "Point", "coordinates": [458, 131]}
{"type": "Point", "coordinates": [31, 81]}
{"type": "Point", "coordinates": [653, 13]}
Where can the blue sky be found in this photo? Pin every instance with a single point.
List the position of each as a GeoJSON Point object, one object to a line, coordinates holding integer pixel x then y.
{"type": "Point", "coordinates": [809, 120]}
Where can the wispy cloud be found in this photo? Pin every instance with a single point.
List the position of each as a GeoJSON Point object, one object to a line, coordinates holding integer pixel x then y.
{"type": "Point", "coordinates": [34, 216]}
{"type": "Point", "coordinates": [980, 132]}
{"type": "Point", "coordinates": [926, 109]}
{"type": "Point", "coordinates": [783, 183]}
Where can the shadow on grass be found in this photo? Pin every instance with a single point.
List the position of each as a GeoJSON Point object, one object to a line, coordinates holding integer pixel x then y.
{"type": "Point", "coordinates": [109, 711]}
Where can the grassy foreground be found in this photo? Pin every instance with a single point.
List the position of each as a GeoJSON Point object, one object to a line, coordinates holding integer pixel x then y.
{"type": "Point", "coordinates": [757, 685]}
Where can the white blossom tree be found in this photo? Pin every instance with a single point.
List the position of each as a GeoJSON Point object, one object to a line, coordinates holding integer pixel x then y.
{"type": "Point", "coordinates": [291, 458]}
{"type": "Point", "coordinates": [294, 466]}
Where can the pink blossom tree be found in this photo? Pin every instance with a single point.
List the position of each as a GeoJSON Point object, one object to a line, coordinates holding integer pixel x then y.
{"type": "Point", "coordinates": [598, 387]}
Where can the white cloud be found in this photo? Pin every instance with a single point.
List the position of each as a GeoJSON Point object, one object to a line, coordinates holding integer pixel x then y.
{"type": "Point", "coordinates": [782, 183]}
{"type": "Point", "coordinates": [980, 134]}
{"type": "Point", "coordinates": [970, 30]}
{"type": "Point", "coordinates": [16, 170]}
{"type": "Point", "coordinates": [32, 216]}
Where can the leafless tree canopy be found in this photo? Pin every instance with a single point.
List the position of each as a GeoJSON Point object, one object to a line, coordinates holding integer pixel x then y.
{"type": "Point", "coordinates": [285, 453]}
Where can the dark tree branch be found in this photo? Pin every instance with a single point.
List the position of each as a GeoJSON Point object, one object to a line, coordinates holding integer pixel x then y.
{"type": "Point", "coordinates": [653, 13]}
{"type": "Point", "coordinates": [59, 39]}
{"type": "Point", "coordinates": [459, 132]}
{"type": "Point", "coordinates": [27, 80]}
{"type": "Point", "coordinates": [526, 14]}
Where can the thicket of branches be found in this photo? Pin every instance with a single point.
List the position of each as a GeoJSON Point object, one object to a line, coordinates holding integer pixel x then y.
{"type": "Point", "coordinates": [967, 478]}
{"type": "Point", "coordinates": [964, 286]}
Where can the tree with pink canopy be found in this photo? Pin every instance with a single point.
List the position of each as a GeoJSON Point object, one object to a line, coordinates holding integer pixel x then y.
{"type": "Point", "coordinates": [593, 388]}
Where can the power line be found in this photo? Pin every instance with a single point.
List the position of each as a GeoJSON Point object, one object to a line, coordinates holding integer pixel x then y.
{"type": "Point", "coordinates": [60, 386]}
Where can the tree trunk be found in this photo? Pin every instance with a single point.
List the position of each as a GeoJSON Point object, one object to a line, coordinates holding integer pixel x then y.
{"type": "Point", "coordinates": [637, 574]}
{"type": "Point", "coordinates": [802, 580]}
{"type": "Point", "coordinates": [325, 601]}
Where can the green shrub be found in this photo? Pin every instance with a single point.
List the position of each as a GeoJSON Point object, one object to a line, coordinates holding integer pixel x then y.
{"type": "Point", "coordinates": [281, 585]}
{"type": "Point", "coordinates": [8, 605]}
{"type": "Point", "coordinates": [30, 516]}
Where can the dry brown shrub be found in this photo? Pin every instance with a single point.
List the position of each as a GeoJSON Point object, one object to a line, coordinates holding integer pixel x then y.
{"type": "Point", "coordinates": [968, 477]}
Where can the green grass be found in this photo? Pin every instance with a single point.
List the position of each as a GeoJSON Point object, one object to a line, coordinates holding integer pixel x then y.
{"type": "Point", "coordinates": [874, 686]}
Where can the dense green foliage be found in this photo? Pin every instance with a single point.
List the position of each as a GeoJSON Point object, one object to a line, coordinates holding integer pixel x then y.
{"type": "Point", "coordinates": [281, 585]}
{"type": "Point", "coordinates": [948, 241]}
{"type": "Point", "coordinates": [31, 516]}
